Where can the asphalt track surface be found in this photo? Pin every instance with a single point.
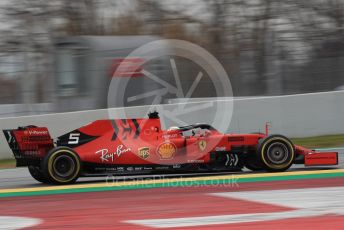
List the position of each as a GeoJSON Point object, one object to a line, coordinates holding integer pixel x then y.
{"type": "Point", "coordinates": [20, 177]}
{"type": "Point", "coordinates": [308, 202]}
{"type": "Point", "coordinates": [302, 198]}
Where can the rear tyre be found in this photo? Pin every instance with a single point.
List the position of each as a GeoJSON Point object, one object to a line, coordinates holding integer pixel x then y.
{"type": "Point", "coordinates": [61, 166]}
{"type": "Point", "coordinates": [276, 153]}
{"type": "Point", "coordinates": [37, 174]}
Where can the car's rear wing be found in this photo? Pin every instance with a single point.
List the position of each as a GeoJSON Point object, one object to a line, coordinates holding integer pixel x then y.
{"type": "Point", "coordinates": [28, 143]}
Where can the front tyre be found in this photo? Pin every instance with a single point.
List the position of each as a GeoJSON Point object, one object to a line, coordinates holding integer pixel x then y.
{"type": "Point", "coordinates": [276, 153]}
{"type": "Point", "coordinates": [61, 166]}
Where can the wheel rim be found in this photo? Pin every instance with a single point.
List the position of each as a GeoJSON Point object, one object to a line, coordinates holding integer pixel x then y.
{"type": "Point", "coordinates": [277, 153]}
{"type": "Point", "coordinates": [64, 166]}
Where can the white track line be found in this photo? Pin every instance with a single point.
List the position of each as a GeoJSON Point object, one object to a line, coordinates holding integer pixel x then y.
{"type": "Point", "coordinates": [223, 219]}
{"type": "Point", "coordinates": [318, 198]}
{"type": "Point", "coordinates": [308, 202]}
{"type": "Point", "coordinates": [14, 222]}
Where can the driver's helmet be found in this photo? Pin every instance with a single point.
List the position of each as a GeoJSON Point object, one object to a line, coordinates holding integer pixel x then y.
{"type": "Point", "coordinates": [197, 132]}
{"type": "Point", "coordinates": [173, 128]}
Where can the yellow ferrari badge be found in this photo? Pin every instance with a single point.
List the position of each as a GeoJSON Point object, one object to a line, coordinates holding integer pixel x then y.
{"type": "Point", "coordinates": [202, 145]}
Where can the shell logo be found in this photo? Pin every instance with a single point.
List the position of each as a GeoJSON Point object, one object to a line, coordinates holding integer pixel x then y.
{"type": "Point", "coordinates": [167, 150]}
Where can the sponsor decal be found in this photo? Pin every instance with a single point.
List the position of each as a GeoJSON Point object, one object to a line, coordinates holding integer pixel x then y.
{"type": "Point", "coordinates": [202, 145]}
{"type": "Point", "coordinates": [36, 138]}
{"type": "Point", "coordinates": [233, 139]}
{"type": "Point", "coordinates": [162, 167]}
{"type": "Point", "coordinates": [176, 166]}
{"type": "Point", "coordinates": [107, 156]}
{"type": "Point", "coordinates": [36, 132]}
{"type": "Point", "coordinates": [195, 161]}
{"type": "Point", "coordinates": [167, 150]}
{"type": "Point", "coordinates": [220, 148]}
{"type": "Point", "coordinates": [143, 152]}
{"type": "Point", "coordinates": [168, 136]}
{"type": "Point", "coordinates": [147, 168]}
{"type": "Point", "coordinates": [232, 160]}
{"type": "Point", "coordinates": [110, 169]}
{"type": "Point", "coordinates": [31, 153]}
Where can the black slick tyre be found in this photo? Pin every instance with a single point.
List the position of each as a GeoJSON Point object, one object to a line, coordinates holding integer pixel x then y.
{"type": "Point", "coordinates": [61, 166]}
{"type": "Point", "coordinates": [276, 153]}
{"type": "Point", "coordinates": [37, 174]}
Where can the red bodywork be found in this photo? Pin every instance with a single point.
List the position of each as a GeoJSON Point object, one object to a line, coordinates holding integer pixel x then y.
{"type": "Point", "coordinates": [30, 141]}
{"type": "Point", "coordinates": [313, 158]}
{"type": "Point", "coordinates": [143, 142]}
{"type": "Point", "coordinates": [165, 147]}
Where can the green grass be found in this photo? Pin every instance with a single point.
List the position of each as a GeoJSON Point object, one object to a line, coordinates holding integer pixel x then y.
{"type": "Point", "coordinates": [329, 141]}
{"type": "Point", "coordinates": [7, 163]}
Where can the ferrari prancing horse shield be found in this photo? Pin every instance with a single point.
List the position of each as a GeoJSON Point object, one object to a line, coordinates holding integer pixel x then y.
{"type": "Point", "coordinates": [202, 145]}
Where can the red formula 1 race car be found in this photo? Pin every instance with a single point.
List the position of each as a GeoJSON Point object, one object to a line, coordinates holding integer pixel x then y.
{"type": "Point", "coordinates": [140, 146]}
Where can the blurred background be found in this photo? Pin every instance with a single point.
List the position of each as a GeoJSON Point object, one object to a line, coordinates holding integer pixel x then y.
{"type": "Point", "coordinates": [60, 55]}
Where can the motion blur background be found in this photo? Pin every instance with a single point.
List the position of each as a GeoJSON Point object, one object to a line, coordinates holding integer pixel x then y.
{"type": "Point", "coordinates": [60, 55]}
